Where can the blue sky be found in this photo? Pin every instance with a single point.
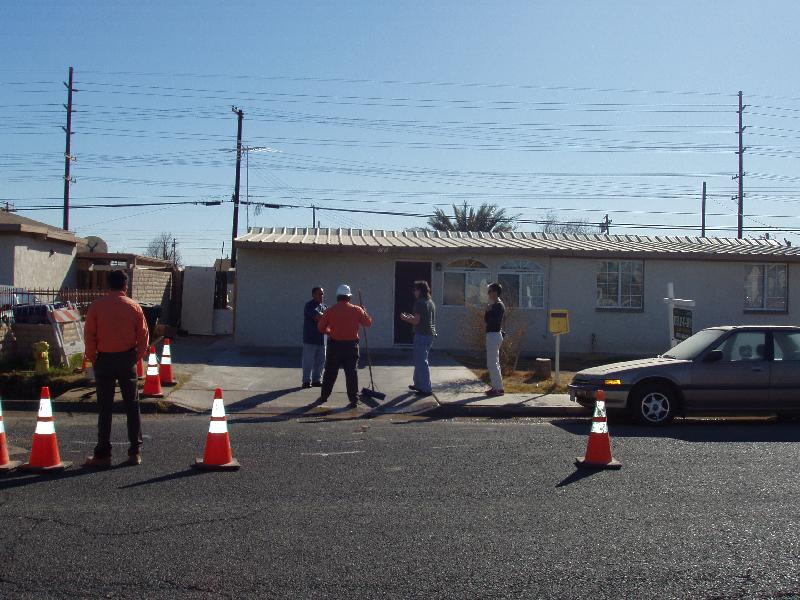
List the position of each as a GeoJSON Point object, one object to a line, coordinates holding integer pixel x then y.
{"type": "Point", "coordinates": [583, 107]}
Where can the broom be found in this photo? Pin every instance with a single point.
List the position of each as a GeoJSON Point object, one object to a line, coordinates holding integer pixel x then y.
{"type": "Point", "coordinates": [369, 392]}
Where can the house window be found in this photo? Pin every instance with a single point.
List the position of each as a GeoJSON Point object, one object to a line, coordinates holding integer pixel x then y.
{"type": "Point", "coordinates": [523, 284]}
{"type": "Point", "coordinates": [620, 284]}
{"type": "Point", "coordinates": [465, 282]}
{"type": "Point", "coordinates": [765, 287]}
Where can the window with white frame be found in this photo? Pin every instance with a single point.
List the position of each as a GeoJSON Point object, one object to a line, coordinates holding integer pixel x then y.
{"type": "Point", "coordinates": [465, 282]}
{"type": "Point", "coordinates": [523, 284]}
{"type": "Point", "coordinates": [765, 287]}
{"type": "Point", "coordinates": [620, 284]}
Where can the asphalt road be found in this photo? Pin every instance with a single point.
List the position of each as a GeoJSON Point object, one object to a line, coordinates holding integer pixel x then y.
{"type": "Point", "coordinates": [406, 508]}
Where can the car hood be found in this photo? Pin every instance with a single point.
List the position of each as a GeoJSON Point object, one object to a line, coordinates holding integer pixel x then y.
{"type": "Point", "coordinates": [627, 366]}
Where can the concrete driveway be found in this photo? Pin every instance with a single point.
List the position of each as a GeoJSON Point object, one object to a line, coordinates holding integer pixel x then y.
{"type": "Point", "coordinates": [266, 381]}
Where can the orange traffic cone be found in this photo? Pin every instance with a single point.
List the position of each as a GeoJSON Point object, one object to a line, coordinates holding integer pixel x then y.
{"type": "Point", "coordinates": [598, 450]}
{"type": "Point", "coordinates": [218, 455]}
{"type": "Point", "coordinates": [165, 371]}
{"type": "Point", "coordinates": [152, 382]}
{"type": "Point", "coordinates": [6, 464]}
{"type": "Point", "coordinates": [44, 451]}
{"type": "Point", "coordinates": [140, 369]}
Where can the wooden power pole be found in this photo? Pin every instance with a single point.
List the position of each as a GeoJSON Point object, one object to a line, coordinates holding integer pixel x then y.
{"type": "Point", "coordinates": [240, 113]}
{"type": "Point", "coordinates": [740, 176]}
{"type": "Point", "coordinates": [703, 213]}
{"type": "Point", "coordinates": [67, 154]}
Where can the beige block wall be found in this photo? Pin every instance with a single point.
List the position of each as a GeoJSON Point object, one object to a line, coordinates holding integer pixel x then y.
{"type": "Point", "coordinates": [152, 287]}
{"type": "Point", "coordinates": [42, 263]}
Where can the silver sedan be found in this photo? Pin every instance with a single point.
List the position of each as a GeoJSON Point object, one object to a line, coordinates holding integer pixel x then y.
{"type": "Point", "coordinates": [721, 370]}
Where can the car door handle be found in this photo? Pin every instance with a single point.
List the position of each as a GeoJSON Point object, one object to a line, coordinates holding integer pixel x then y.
{"type": "Point", "coordinates": [756, 369]}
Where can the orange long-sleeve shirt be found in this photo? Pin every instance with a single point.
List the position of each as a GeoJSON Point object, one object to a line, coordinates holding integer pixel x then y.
{"type": "Point", "coordinates": [341, 321]}
{"type": "Point", "coordinates": [115, 323]}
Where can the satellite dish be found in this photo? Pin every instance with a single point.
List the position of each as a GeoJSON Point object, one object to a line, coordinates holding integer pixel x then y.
{"type": "Point", "coordinates": [95, 245]}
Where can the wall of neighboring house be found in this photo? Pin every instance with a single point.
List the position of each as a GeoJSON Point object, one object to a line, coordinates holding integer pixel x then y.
{"type": "Point", "coordinates": [273, 286]}
{"type": "Point", "coordinates": [7, 252]}
{"type": "Point", "coordinates": [43, 263]}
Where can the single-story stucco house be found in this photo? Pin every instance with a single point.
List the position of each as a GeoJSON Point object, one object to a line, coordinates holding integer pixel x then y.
{"type": "Point", "coordinates": [35, 255]}
{"type": "Point", "coordinates": [612, 285]}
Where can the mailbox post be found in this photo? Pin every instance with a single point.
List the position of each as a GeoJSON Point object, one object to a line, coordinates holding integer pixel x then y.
{"type": "Point", "coordinates": [558, 324]}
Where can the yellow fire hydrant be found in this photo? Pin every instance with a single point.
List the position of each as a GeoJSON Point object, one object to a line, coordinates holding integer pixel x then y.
{"type": "Point", "coordinates": [41, 357]}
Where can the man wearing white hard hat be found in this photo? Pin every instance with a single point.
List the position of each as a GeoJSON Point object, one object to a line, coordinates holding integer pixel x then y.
{"type": "Point", "coordinates": [341, 323]}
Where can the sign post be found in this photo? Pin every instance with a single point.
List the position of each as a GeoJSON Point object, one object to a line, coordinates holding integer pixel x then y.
{"type": "Point", "coordinates": [558, 324]}
{"type": "Point", "coordinates": [679, 316]}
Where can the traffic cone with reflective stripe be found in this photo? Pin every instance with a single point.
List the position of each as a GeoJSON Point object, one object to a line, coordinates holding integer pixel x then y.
{"type": "Point", "coordinates": [6, 464]}
{"type": "Point", "coordinates": [217, 455]}
{"type": "Point", "coordinates": [598, 450]}
{"type": "Point", "coordinates": [152, 382]}
{"type": "Point", "coordinates": [140, 368]}
{"type": "Point", "coordinates": [165, 371]}
{"type": "Point", "coordinates": [44, 450]}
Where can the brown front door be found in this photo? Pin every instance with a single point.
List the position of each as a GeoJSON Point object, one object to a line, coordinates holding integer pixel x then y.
{"type": "Point", "coordinates": [405, 274]}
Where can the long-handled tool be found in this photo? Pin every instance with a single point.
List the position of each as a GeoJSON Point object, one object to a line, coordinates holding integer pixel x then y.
{"type": "Point", "coordinates": [369, 392]}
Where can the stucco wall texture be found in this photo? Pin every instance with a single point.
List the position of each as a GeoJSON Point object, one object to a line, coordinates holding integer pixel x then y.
{"type": "Point", "coordinates": [274, 285]}
{"type": "Point", "coordinates": [28, 262]}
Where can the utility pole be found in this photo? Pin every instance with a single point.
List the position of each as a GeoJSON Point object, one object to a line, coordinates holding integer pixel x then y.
{"type": "Point", "coordinates": [703, 211]}
{"type": "Point", "coordinates": [313, 216]}
{"type": "Point", "coordinates": [240, 113]}
{"type": "Point", "coordinates": [247, 188]}
{"type": "Point", "coordinates": [67, 154]}
{"type": "Point", "coordinates": [740, 176]}
{"type": "Point", "coordinates": [605, 226]}
{"type": "Point", "coordinates": [174, 253]}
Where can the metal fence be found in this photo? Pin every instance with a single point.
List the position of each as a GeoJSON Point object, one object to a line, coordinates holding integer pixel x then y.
{"type": "Point", "coordinates": [11, 298]}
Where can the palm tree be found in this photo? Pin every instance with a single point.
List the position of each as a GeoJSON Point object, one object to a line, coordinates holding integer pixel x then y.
{"type": "Point", "coordinates": [488, 217]}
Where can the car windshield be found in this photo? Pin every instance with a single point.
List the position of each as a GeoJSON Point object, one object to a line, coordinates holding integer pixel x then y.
{"type": "Point", "coordinates": [689, 349]}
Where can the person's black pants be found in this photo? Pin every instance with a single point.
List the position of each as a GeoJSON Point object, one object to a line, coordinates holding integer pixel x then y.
{"type": "Point", "coordinates": [110, 368]}
{"type": "Point", "coordinates": [341, 355]}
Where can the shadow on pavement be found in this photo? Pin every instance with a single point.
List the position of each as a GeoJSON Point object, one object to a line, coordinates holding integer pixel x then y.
{"type": "Point", "coordinates": [17, 479]}
{"type": "Point", "coordinates": [696, 430]}
{"type": "Point", "coordinates": [169, 477]}
{"type": "Point", "coordinates": [576, 476]}
{"type": "Point", "coordinates": [253, 401]}
{"type": "Point", "coordinates": [376, 409]}
{"type": "Point", "coordinates": [285, 416]}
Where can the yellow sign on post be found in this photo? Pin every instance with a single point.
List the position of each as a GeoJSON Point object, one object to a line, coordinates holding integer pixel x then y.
{"type": "Point", "coordinates": [559, 321]}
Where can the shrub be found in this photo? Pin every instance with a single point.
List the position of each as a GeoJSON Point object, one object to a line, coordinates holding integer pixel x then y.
{"type": "Point", "coordinates": [473, 336]}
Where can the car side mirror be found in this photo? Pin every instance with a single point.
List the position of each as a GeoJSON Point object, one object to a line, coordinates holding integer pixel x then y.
{"type": "Point", "coordinates": [713, 356]}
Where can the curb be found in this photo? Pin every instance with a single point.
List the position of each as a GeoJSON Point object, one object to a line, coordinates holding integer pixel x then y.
{"type": "Point", "coordinates": [508, 411]}
{"type": "Point", "coordinates": [147, 407]}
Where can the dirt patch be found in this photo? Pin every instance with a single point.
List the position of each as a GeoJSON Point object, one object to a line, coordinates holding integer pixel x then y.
{"type": "Point", "coordinates": [523, 381]}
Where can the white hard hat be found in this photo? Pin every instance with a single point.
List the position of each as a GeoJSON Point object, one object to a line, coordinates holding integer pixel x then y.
{"type": "Point", "coordinates": [343, 290]}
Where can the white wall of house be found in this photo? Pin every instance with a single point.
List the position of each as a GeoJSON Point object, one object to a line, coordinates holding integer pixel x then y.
{"type": "Point", "coordinates": [274, 285]}
{"type": "Point", "coordinates": [31, 262]}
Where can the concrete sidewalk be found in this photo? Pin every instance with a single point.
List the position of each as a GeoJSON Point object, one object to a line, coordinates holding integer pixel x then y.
{"type": "Point", "coordinates": [261, 381]}
{"type": "Point", "coordinates": [267, 382]}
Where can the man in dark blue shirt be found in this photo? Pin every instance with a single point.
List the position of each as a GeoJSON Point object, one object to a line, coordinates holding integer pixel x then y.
{"type": "Point", "coordinates": [313, 340]}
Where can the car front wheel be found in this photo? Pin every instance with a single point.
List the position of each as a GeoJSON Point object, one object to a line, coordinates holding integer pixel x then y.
{"type": "Point", "coordinates": [653, 404]}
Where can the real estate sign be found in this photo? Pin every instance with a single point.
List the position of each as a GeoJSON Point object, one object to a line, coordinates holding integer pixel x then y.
{"type": "Point", "coordinates": [682, 323]}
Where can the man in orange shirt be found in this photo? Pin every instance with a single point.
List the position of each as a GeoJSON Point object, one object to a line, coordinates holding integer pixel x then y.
{"type": "Point", "coordinates": [116, 339]}
{"type": "Point", "coordinates": [341, 322]}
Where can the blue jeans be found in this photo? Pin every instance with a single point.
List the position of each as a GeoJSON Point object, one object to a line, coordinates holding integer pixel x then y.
{"type": "Point", "coordinates": [422, 372]}
{"type": "Point", "coordinates": [313, 362]}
